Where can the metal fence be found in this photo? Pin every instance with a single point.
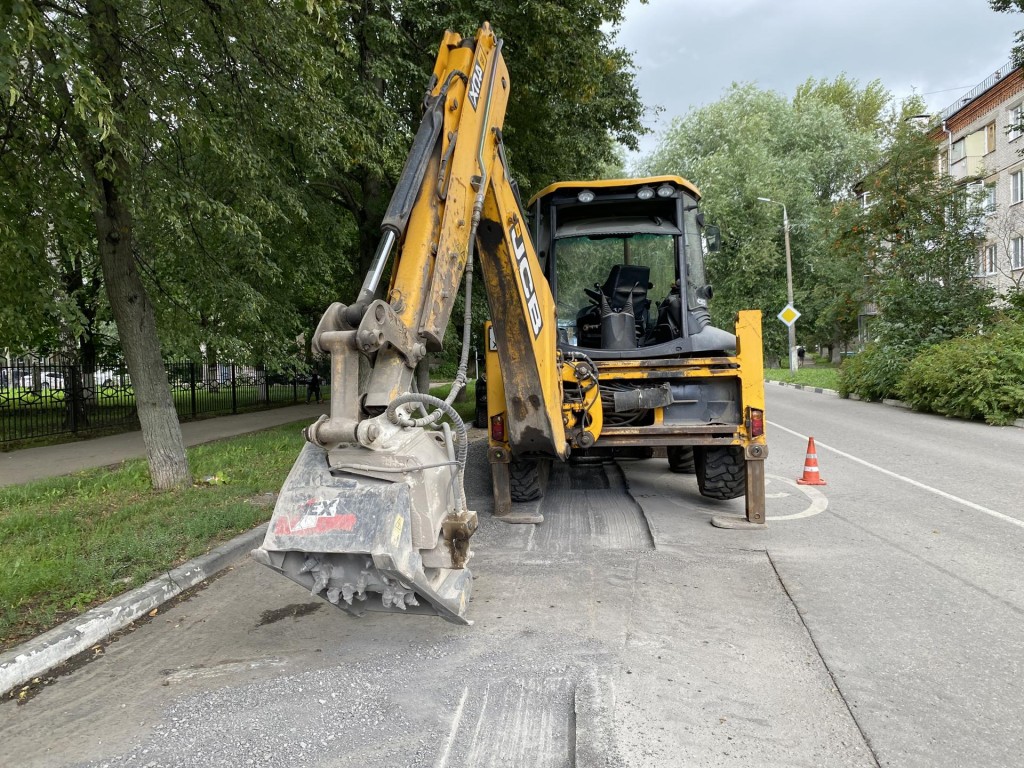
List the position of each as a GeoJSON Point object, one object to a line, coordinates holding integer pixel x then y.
{"type": "Point", "coordinates": [42, 398]}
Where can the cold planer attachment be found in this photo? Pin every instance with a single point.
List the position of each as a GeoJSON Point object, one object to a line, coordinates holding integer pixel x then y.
{"type": "Point", "coordinates": [346, 519]}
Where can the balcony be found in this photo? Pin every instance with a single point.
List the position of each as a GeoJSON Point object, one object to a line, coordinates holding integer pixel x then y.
{"type": "Point", "coordinates": [967, 167]}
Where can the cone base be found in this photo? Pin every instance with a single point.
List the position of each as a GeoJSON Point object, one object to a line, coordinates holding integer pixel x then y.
{"type": "Point", "coordinates": [803, 481]}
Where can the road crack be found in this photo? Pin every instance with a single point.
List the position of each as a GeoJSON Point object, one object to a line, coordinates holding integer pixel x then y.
{"type": "Point", "coordinates": [835, 682]}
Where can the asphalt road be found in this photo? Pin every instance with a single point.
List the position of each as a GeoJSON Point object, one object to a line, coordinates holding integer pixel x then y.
{"type": "Point", "coordinates": [911, 583]}
{"type": "Point", "coordinates": [877, 621]}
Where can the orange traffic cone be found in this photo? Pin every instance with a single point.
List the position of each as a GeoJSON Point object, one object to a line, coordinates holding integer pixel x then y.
{"type": "Point", "coordinates": [811, 476]}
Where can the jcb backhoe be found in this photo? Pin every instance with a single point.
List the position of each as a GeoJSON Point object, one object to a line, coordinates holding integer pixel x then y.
{"type": "Point", "coordinates": [599, 343]}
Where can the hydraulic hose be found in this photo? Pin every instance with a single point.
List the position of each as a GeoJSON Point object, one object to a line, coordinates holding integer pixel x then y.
{"type": "Point", "coordinates": [443, 409]}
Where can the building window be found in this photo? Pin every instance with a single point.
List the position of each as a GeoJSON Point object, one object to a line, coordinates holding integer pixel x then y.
{"type": "Point", "coordinates": [943, 163]}
{"type": "Point", "coordinates": [987, 260]}
{"type": "Point", "coordinates": [1017, 252]}
{"type": "Point", "coordinates": [990, 138]}
{"type": "Point", "coordinates": [1017, 186]}
{"type": "Point", "coordinates": [957, 151]}
{"type": "Point", "coordinates": [982, 196]}
{"type": "Point", "coordinates": [1013, 121]}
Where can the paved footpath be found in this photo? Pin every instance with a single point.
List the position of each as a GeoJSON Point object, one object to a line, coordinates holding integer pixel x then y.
{"type": "Point", "coordinates": [30, 464]}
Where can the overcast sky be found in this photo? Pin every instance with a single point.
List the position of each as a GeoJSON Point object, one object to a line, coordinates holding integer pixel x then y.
{"type": "Point", "coordinates": [688, 52]}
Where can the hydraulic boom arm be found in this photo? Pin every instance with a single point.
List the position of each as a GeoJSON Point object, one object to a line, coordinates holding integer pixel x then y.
{"type": "Point", "coordinates": [375, 507]}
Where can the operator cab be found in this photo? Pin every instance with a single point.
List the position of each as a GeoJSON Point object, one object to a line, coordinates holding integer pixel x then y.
{"type": "Point", "coordinates": [625, 262]}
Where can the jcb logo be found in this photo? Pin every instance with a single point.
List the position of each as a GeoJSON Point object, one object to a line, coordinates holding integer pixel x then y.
{"type": "Point", "coordinates": [476, 83]}
{"type": "Point", "coordinates": [526, 279]}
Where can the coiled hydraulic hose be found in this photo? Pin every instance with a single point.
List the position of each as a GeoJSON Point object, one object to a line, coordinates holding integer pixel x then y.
{"type": "Point", "coordinates": [443, 409]}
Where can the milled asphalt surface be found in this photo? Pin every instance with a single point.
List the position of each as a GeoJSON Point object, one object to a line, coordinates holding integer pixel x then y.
{"type": "Point", "coordinates": [624, 631]}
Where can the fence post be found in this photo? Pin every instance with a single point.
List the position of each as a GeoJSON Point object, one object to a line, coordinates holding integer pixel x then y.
{"type": "Point", "coordinates": [234, 394]}
{"type": "Point", "coordinates": [192, 385]}
{"type": "Point", "coordinates": [73, 392]}
{"type": "Point", "coordinates": [266, 384]}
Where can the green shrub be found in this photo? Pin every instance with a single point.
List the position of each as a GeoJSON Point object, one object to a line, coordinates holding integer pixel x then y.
{"type": "Point", "coordinates": [973, 377]}
{"type": "Point", "coordinates": [873, 374]}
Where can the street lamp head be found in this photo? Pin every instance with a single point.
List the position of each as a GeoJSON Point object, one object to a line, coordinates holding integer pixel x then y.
{"type": "Point", "coordinates": [765, 200]}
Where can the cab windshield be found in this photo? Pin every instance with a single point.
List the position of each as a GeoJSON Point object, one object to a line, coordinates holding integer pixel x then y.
{"type": "Point", "coordinates": [583, 261]}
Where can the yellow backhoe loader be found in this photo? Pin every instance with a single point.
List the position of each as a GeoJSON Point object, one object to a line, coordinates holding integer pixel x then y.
{"type": "Point", "coordinates": [599, 344]}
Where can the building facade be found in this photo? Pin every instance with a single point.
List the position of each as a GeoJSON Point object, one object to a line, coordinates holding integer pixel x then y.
{"type": "Point", "coordinates": [981, 144]}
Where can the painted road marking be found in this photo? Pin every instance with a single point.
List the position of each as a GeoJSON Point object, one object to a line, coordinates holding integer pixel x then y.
{"type": "Point", "coordinates": [819, 502]}
{"type": "Point", "coordinates": [915, 483]}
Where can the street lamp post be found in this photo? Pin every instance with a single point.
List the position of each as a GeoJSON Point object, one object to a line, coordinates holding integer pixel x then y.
{"type": "Point", "coordinates": [789, 281]}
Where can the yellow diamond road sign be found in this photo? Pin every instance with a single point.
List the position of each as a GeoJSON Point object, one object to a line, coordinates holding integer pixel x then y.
{"type": "Point", "coordinates": [789, 315]}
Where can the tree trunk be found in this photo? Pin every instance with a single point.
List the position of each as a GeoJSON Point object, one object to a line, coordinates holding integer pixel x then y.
{"type": "Point", "coordinates": [136, 328]}
{"type": "Point", "coordinates": [133, 312]}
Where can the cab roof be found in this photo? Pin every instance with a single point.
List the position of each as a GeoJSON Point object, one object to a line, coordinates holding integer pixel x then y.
{"type": "Point", "coordinates": [624, 184]}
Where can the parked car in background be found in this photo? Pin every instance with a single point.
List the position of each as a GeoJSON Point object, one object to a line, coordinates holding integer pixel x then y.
{"type": "Point", "coordinates": [40, 380]}
{"type": "Point", "coordinates": [108, 377]}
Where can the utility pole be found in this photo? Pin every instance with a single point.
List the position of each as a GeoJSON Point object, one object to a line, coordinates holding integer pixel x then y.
{"type": "Point", "coordinates": [789, 281]}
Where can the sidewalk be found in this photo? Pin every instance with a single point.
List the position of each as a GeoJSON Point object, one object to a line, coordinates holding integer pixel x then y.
{"type": "Point", "coordinates": [23, 466]}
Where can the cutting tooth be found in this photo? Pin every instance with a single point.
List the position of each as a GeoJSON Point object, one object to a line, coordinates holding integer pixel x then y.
{"type": "Point", "coordinates": [321, 576]}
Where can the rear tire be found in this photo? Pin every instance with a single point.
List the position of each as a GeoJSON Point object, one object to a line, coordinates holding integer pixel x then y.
{"type": "Point", "coordinates": [721, 472]}
{"type": "Point", "coordinates": [680, 459]}
{"type": "Point", "coordinates": [526, 479]}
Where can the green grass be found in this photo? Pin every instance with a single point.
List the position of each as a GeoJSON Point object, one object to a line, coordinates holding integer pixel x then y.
{"type": "Point", "coordinates": [816, 376]}
{"type": "Point", "coordinates": [466, 407]}
{"type": "Point", "coordinates": [69, 543]}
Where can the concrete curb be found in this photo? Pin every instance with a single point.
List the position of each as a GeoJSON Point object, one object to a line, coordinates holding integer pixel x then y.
{"type": "Point", "coordinates": [34, 657]}
{"type": "Point", "coordinates": [896, 403]}
{"type": "Point", "coordinates": [818, 390]}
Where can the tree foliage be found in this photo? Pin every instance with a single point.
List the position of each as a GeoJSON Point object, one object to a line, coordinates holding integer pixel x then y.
{"type": "Point", "coordinates": [572, 101]}
{"type": "Point", "coordinates": [806, 153]}
{"type": "Point", "coordinates": [218, 170]}
{"type": "Point", "coordinates": [222, 128]}
{"type": "Point", "coordinates": [263, 143]}
{"type": "Point", "coordinates": [920, 239]}
{"type": "Point", "coordinates": [980, 376]}
{"type": "Point", "coordinates": [1012, 6]}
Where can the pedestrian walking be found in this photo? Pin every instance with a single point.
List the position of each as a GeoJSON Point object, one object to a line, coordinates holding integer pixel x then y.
{"type": "Point", "coordinates": [800, 356]}
{"type": "Point", "coordinates": [313, 388]}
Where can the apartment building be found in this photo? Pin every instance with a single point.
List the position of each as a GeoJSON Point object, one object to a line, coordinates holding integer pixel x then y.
{"type": "Point", "coordinates": [980, 144]}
